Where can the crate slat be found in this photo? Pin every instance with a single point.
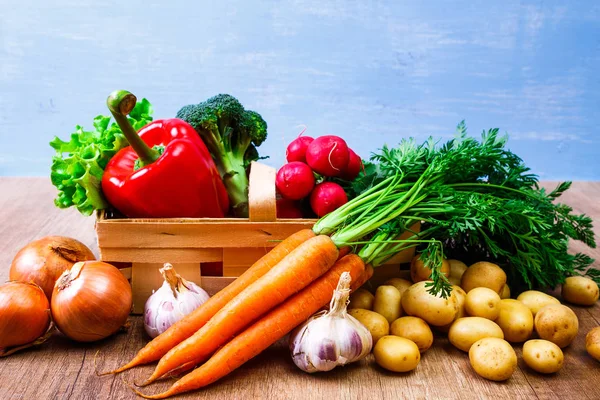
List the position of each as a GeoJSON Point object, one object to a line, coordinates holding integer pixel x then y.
{"type": "Point", "coordinates": [159, 255]}
{"type": "Point", "coordinates": [199, 234]}
{"type": "Point", "coordinates": [236, 261]}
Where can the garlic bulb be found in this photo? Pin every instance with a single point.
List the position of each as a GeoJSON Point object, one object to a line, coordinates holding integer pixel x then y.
{"type": "Point", "coordinates": [330, 338]}
{"type": "Point", "coordinates": [172, 301]}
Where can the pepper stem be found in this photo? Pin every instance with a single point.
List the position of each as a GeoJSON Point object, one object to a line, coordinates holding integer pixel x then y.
{"type": "Point", "coordinates": [120, 103]}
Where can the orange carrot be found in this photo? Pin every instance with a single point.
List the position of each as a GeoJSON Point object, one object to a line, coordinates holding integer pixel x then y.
{"type": "Point", "coordinates": [361, 280]}
{"type": "Point", "coordinates": [344, 251]}
{"type": "Point", "coordinates": [268, 329]}
{"type": "Point", "coordinates": [356, 283]}
{"type": "Point", "coordinates": [188, 325]}
{"type": "Point", "coordinates": [302, 266]}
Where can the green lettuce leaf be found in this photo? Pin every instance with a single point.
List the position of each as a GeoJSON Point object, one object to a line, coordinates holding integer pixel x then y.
{"type": "Point", "coordinates": [79, 163]}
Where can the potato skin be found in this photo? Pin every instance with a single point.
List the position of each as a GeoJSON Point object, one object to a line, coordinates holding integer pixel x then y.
{"type": "Point", "coordinates": [375, 323]}
{"type": "Point", "coordinates": [460, 300]}
{"type": "Point", "coordinates": [505, 293]}
{"type": "Point", "coordinates": [592, 343]}
{"type": "Point", "coordinates": [396, 354]}
{"type": "Point", "coordinates": [535, 300]}
{"type": "Point", "coordinates": [387, 302]}
{"type": "Point", "coordinates": [415, 329]}
{"type": "Point", "coordinates": [483, 274]}
{"type": "Point", "coordinates": [361, 298]}
{"type": "Point", "coordinates": [515, 319]}
{"type": "Point", "coordinates": [466, 331]}
{"type": "Point", "coordinates": [543, 356]}
{"type": "Point", "coordinates": [557, 323]}
{"type": "Point", "coordinates": [457, 269]}
{"type": "Point", "coordinates": [580, 290]}
{"type": "Point", "coordinates": [493, 359]}
{"type": "Point", "coordinates": [399, 283]}
{"type": "Point", "coordinates": [435, 310]}
{"type": "Point", "coordinates": [482, 302]}
{"type": "Point", "coordinates": [419, 272]}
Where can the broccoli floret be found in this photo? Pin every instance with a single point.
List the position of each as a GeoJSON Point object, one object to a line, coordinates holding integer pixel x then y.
{"type": "Point", "coordinates": [231, 134]}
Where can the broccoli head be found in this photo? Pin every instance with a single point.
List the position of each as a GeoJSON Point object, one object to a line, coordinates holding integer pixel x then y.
{"type": "Point", "coordinates": [231, 134]}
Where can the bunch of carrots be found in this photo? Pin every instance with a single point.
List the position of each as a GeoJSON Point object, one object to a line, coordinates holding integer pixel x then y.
{"type": "Point", "coordinates": [279, 292]}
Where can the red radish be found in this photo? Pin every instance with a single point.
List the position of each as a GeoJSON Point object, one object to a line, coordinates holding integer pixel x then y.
{"type": "Point", "coordinates": [295, 180]}
{"type": "Point", "coordinates": [287, 208]}
{"type": "Point", "coordinates": [296, 150]}
{"type": "Point", "coordinates": [326, 197]}
{"type": "Point", "coordinates": [354, 166]}
{"type": "Point", "coordinates": [328, 155]}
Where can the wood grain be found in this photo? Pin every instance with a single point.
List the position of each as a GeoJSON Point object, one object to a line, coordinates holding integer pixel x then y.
{"type": "Point", "coordinates": [262, 203]}
{"type": "Point", "coordinates": [61, 369]}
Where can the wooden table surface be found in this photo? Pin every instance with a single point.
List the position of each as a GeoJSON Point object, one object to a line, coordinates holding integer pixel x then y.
{"type": "Point", "coordinates": [62, 369]}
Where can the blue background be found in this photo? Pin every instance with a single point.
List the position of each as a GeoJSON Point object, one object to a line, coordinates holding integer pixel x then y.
{"type": "Point", "coordinates": [369, 71]}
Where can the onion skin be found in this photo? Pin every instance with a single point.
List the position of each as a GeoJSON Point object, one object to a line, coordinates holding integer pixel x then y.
{"type": "Point", "coordinates": [44, 260]}
{"type": "Point", "coordinates": [91, 301]}
{"type": "Point", "coordinates": [24, 314]}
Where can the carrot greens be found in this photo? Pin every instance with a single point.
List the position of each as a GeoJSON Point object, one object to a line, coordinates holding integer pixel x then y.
{"type": "Point", "coordinates": [471, 197]}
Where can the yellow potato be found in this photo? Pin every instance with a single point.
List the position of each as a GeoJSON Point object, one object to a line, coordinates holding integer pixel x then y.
{"type": "Point", "coordinates": [457, 269]}
{"type": "Point", "coordinates": [483, 274]}
{"type": "Point", "coordinates": [454, 281]}
{"type": "Point", "coordinates": [435, 310]}
{"type": "Point", "coordinates": [419, 272]}
{"type": "Point", "coordinates": [592, 342]}
{"type": "Point", "coordinates": [399, 283]}
{"type": "Point", "coordinates": [396, 354]}
{"type": "Point", "coordinates": [362, 298]}
{"type": "Point", "coordinates": [515, 319]}
{"type": "Point", "coordinates": [535, 300]}
{"type": "Point", "coordinates": [466, 331]}
{"type": "Point", "coordinates": [543, 356]}
{"type": "Point", "coordinates": [482, 302]}
{"type": "Point", "coordinates": [375, 323]}
{"type": "Point", "coordinates": [505, 293]}
{"type": "Point", "coordinates": [387, 303]}
{"type": "Point", "coordinates": [493, 358]}
{"type": "Point", "coordinates": [460, 301]}
{"type": "Point", "coordinates": [415, 329]}
{"type": "Point", "coordinates": [557, 323]}
{"type": "Point", "coordinates": [580, 290]}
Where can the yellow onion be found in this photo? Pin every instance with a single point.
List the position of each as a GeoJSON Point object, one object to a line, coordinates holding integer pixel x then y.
{"type": "Point", "coordinates": [91, 301]}
{"type": "Point", "coordinates": [24, 315]}
{"type": "Point", "coordinates": [44, 260]}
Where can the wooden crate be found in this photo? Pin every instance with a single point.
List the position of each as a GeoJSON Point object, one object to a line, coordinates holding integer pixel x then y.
{"type": "Point", "coordinates": [141, 246]}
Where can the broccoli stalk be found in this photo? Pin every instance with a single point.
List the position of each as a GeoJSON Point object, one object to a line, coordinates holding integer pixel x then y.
{"type": "Point", "coordinates": [231, 134]}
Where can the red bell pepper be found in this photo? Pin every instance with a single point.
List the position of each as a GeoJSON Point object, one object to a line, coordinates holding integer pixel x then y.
{"type": "Point", "coordinates": [166, 172]}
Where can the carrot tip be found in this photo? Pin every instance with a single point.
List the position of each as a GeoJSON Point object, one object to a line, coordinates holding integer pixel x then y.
{"type": "Point", "coordinates": [146, 383]}
{"type": "Point", "coordinates": [96, 366]}
{"type": "Point", "coordinates": [145, 396]}
{"type": "Point", "coordinates": [114, 371]}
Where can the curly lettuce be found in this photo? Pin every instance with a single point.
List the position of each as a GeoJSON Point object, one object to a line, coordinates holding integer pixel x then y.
{"type": "Point", "coordinates": [79, 163]}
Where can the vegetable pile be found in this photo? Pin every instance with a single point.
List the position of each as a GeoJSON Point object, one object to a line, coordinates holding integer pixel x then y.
{"type": "Point", "coordinates": [86, 300]}
{"type": "Point", "coordinates": [79, 163]}
{"type": "Point", "coordinates": [401, 317]}
{"type": "Point", "coordinates": [232, 135]}
{"type": "Point", "coordinates": [194, 165]}
{"type": "Point", "coordinates": [473, 200]}
{"type": "Point", "coordinates": [313, 170]}
{"type": "Point", "coordinates": [471, 196]}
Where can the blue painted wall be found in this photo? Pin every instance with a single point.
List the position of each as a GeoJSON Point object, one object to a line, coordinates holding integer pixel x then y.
{"type": "Point", "coordinates": [370, 71]}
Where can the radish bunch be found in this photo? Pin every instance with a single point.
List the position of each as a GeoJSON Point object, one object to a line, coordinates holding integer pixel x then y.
{"type": "Point", "coordinates": [312, 165]}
